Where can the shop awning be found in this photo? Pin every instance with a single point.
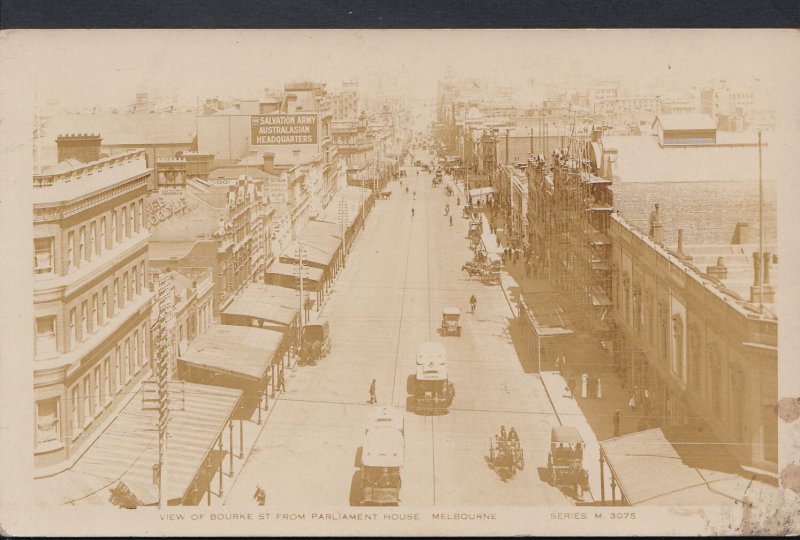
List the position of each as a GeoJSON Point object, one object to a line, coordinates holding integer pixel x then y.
{"type": "Point", "coordinates": [269, 303]}
{"type": "Point", "coordinates": [127, 450]}
{"type": "Point", "coordinates": [285, 269]}
{"type": "Point", "coordinates": [480, 191]}
{"type": "Point", "coordinates": [237, 350]}
{"type": "Point", "coordinates": [633, 458]}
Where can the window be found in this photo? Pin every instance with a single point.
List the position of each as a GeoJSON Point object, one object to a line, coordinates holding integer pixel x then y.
{"type": "Point", "coordinates": [137, 361]}
{"type": "Point", "coordinates": [84, 320]}
{"type": "Point", "coordinates": [101, 245]}
{"type": "Point", "coordinates": [118, 367]}
{"type": "Point", "coordinates": [46, 335]}
{"type": "Point", "coordinates": [75, 415]}
{"type": "Point", "coordinates": [125, 363]}
{"type": "Point", "coordinates": [113, 236]}
{"type": "Point", "coordinates": [129, 355]}
{"type": "Point", "coordinates": [96, 403]}
{"type": "Point", "coordinates": [117, 298]}
{"type": "Point", "coordinates": [135, 278]}
{"type": "Point", "coordinates": [92, 239]}
{"type": "Point", "coordinates": [81, 245]}
{"type": "Point", "coordinates": [70, 249]}
{"type": "Point", "coordinates": [141, 213]}
{"type": "Point", "coordinates": [73, 327]}
{"type": "Point", "coordinates": [135, 215]}
{"type": "Point", "coordinates": [87, 404]}
{"type": "Point", "coordinates": [126, 293]}
{"type": "Point", "coordinates": [47, 421]}
{"type": "Point", "coordinates": [144, 346]}
{"type": "Point", "coordinates": [123, 225]}
{"type": "Point", "coordinates": [107, 380]}
{"type": "Point", "coordinates": [95, 314]}
{"type": "Point", "coordinates": [129, 218]}
{"type": "Point", "coordinates": [43, 255]}
{"type": "Point", "coordinates": [105, 307]}
{"type": "Point", "coordinates": [141, 277]}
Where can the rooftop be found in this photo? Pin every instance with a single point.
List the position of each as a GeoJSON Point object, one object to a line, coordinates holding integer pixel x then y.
{"type": "Point", "coordinates": [681, 122]}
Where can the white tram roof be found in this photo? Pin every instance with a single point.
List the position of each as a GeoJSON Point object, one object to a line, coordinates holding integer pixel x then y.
{"type": "Point", "coordinates": [385, 418]}
{"type": "Point", "coordinates": [431, 372]}
{"type": "Point", "coordinates": [431, 352]}
{"type": "Point", "coordinates": [383, 448]}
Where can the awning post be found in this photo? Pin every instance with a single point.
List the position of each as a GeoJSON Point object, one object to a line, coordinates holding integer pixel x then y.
{"type": "Point", "coordinates": [602, 480]}
{"type": "Point", "coordinates": [241, 439]}
{"type": "Point", "coordinates": [230, 445]}
{"type": "Point", "coordinates": [221, 459]}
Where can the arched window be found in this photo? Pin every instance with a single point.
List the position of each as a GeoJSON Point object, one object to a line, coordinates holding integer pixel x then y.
{"type": "Point", "coordinates": [678, 347]}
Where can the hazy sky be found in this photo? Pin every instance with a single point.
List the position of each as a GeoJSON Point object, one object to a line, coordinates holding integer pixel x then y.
{"type": "Point", "coordinates": [107, 67]}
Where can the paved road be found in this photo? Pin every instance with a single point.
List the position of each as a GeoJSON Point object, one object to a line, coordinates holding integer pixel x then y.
{"type": "Point", "coordinates": [388, 299]}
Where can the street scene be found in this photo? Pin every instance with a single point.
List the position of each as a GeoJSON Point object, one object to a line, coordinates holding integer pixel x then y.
{"type": "Point", "coordinates": [355, 288]}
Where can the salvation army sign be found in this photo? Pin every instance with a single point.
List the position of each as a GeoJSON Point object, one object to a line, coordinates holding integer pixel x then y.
{"type": "Point", "coordinates": [283, 129]}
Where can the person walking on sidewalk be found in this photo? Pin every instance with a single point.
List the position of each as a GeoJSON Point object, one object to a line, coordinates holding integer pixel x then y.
{"type": "Point", "coordinates": [616, 423]}
{"type": "Point", "coordinates": [473, 302]}
{"type": "Point", "coordinates": [281, 382]}
{"type": "Point", "coordinates": [498, 242]}
{"type": "Point", "coordinates": [372, 393]}
{"type": "Point", "coordinates": [632, 402]}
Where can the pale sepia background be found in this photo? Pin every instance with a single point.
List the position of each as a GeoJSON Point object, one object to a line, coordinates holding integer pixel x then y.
{"type": "Point", "coordinates": [86, 68]}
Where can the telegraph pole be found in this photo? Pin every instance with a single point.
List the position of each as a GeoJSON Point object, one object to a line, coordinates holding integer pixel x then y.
{"type": "Point", "coordinates": [301, 253]}
{"type": "Point", "coordinates": [158, 398]}
{"type": "Point", "coordinates": [761, 262]}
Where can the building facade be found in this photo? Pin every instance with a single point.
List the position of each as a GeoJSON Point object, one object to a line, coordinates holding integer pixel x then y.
{"type": "Point", "coordinates": [91, 304]}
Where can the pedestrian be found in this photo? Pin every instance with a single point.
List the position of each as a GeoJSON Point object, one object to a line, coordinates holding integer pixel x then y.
{"type": "Point", "coordinates": [599, 388]}
{"type": "Point", "coordinates": [584, 381]}
{"type": "Point", "coordinates": [473, 302]}
{"type": "Point", "coordinates": [260, 496]}
{"type": "Point", "coordinates": [281, 382]}
{"type": "Point", "coordinates": [632, 403]}
{"type": "Point", "coordinates": [498, 242]}
{"type": "Point", "coordinates": [616, 423]}
{"type": "Point", "coordinates": [372, 395]}
{"type": "Point", "coordinates": [572, 385]}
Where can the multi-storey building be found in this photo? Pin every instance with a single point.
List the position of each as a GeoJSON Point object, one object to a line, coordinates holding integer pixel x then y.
{"type": "Point", "coordinates": [91, 304]}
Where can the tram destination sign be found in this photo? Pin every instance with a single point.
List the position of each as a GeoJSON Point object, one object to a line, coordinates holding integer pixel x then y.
{"type": "Point", "coordinates": [283, 129]}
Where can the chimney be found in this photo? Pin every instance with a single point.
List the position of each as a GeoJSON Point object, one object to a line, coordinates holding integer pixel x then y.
{"type": "Point", "coordinates": [719, 271]}
{"type": "Point", "coordinates": [761, 294]}
{"type": "Point", "coordinates": [81, 146]}
{"type": "Point", "coordinates": [656, 232]}
{"type": "Point", "coordinates": [269, 162]}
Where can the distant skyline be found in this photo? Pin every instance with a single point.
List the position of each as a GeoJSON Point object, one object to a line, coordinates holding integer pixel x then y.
{"type": "Point", "coordinates": [106, 68]}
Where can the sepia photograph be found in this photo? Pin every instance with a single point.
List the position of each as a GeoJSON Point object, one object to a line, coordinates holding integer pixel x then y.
{"type": "Point", "coordinates": [400, 282]}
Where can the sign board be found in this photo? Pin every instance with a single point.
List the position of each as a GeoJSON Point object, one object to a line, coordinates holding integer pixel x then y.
{"type": "Point", "coordinates": [283, 129]}
{"type": "Point", "coordinates": [278, 189]}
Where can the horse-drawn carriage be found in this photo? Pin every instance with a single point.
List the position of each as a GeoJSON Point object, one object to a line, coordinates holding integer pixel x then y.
{"type": "Point", "coordinates": [506, 455]}
{"type": "Point", "coordinates": [316, 341]}
{"type": "Point", "coordinates": [565, 460]}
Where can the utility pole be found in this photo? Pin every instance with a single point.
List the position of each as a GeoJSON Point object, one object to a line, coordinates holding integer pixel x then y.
{"type": "Point", "coordinates": [761, 262]}
{"type": "Point", "coordinates": [155, 394]}
{"type": "Point", "coordinates": [343, 220]}
{"type": "Point", "coordinates": [301, 254]}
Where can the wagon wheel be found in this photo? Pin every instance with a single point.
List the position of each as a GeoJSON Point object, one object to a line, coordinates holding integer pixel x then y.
{"type": "Point", "coordinates": [519, 459]}
{"type": "Point", "coordinates": [491, 455]}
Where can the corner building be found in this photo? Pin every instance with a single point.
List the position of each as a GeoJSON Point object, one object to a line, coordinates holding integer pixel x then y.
{"type": "Point", "coordinates": [91, 305]}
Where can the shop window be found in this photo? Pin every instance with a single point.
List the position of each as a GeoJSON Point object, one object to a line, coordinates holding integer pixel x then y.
{"type": "Point", "coordinates": [46, 335]}
{"type": "Point", "coordinates": [48, 429]}
{"type": "Point", "coordinates": [43, 255]}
